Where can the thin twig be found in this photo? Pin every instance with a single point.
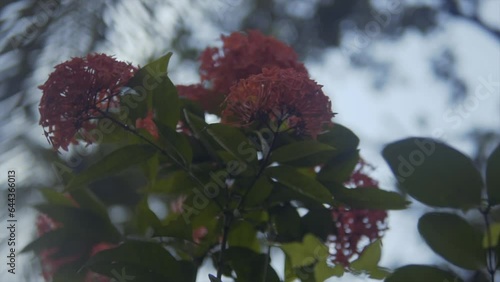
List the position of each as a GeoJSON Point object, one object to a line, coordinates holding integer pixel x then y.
{"type": "Point", "coordinates": [264, 164]}
{"type": "Point", "coordinates": [228, 218]}
{"type": "Point", "coordinates": [490, 263]}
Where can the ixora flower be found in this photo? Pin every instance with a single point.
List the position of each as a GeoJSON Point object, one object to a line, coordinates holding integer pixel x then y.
{"type": "Point", "coordinates": [54, 259]}
{"type": "Point", "coordinates": [282, 98]}
{"type": "Point", "coordinates": [242, 55]}
{"type": "Point", "coordinates": [355, 225]}
{"type": "Point", "coordinates": [77, 93]}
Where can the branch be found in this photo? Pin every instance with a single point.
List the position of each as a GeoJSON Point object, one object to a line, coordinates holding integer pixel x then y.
{"type": "Point", "coordinates": [452, 8]}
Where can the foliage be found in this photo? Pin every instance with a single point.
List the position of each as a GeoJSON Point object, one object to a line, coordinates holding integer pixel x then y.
{"type": "Point", "coordinates": [284, 177]}
{"type": "Point", "coordinates": [440, 176]}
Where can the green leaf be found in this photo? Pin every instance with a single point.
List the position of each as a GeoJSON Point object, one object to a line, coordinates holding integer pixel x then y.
{"type": "Point", "coordinates": [156, 67]}
{"type": "Point", "coordinates": [87, 223]}
{"type": "Point", "coordinates": [368, 197]}
{"type": "Point", "coordinates": [310, 250]}
{"type": "Point", "coordinates": [213, 278]}
{"type": "Point", "coordinates": [314, 222]}
{"type": "Point", "coordinates": [86, 199]}
{"type": "Point", "coordinates": [290, 275]}
{"type": "Point", "coordinates": [175, 227]}
{"type": "Point", "coordinates": [339, 169]}
{"type": "Point", "coordinates": [249, 265]}
{"type": "Point", "coordinates": [300, 183]}
{"type": "Point", "coordinates": [166, 102]}
{"type": "Point", "coordinates": [286, 221]}
{"type": "Point", "coordinates": [379, 273]}
{"type": "Point", "coordinates": [150, 168]}
{"type": "Point", "coordinates": [298, 150]}
{"type": "Point", "coordinates": [214, 233]}
{"type": "Point", "coordinates": [259, 192]}
{"type": "Point", "coordinates": [144, 217]}
{"type": "Point", "coordinates": [56, 198]}
{"type": "Point", "coordinates": [152, 81]}
{"type": "Point", "coordinates": [493, 177]}
{"type": "Point", "coordinates": [243, 234]}
{"type": "Point", "coordinates": [435, 173]}
{"type": "Point", "coordinates": [199, 128]}
{"type": "Point", "coordinates": [341, 138]}
{"type": "Point", "coordinates": [494, 234]}
{"type": "Point", "coordinates": [197, 124]}
{"type": "Point", "coordinates": [177, 145]}
{"type": "Point", "coordinates": [48, 240]}
{"type": "Point", "coordinates": [369, 258]}
{"type": "Point", "coordinates": [133, 107]}
{"type": "Point", "coordinates": [208, 213]}
{"type": "Point", "coordinates": [322, 271]}
{"type": "Point", "coordinates": [368, 261]}
{"type": "Point", "coordinates": [282, 194]}
{"type": "Point", "coordinates": [175, 184]}
{"type": "Point", "coordinates": [453, 238]}
{"type": "Point", "coordinates": [114, 162]}
{"type": "Point", "coordinates": [419, 273]}
{"type": "Point", "coordinates": [144, 260]}
{"type": "Point", "coordinates": [69, 273]}
{"type": "Point", "coordinates": [234, 142]}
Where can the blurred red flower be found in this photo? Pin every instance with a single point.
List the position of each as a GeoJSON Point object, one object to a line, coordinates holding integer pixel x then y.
{"type": "Point", "coordinates": [284, 98]}
{"type": "Point", "coordinates": [76, 93]}
{"type": "Point", "coordinates": [242, 55]}
{"type": "Point", "coordinates": [54, 259]}
{"type": "Point", "coordinates": [355, 225]}
{"type": "Point", "coordinates": [148, 124]}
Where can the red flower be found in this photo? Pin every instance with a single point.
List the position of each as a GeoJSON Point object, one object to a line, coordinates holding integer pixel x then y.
{"type": "Point", "coordinates": [77, 93]}
{"type": "Point", "coordinates": [355, 225]}
{"type": "Point", "coordinates": [284, 98]}
{"type": "Point", "coordinates": [242, 55]}
{"type": "Point", "coordinates": [148, 124]}
{"type": "Point", "coordinates": [52, 260]}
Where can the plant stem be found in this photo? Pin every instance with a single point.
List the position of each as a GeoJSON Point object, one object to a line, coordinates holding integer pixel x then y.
{"type": "Point", "coordinates": [265, 160]}
{"type": "Point", "coordinates": [228, 218]}
{"type": "Point", "coordinates": [228, 215]}
{"type": "Point", "coordinates": [490, 263]}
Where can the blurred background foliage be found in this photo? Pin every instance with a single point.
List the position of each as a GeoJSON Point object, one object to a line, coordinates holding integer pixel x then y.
{"type": "Point", "coordinates": [37, 34]}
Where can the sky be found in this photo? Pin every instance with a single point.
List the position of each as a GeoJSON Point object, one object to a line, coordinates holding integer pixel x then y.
{"type": "Point", "coordinates": [411, 104]}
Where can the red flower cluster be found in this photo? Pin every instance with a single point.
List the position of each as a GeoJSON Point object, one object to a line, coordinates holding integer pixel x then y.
{"type": "Point", "coordinates": [241, 56]}
{"type": "Point", "coordinates": [281, 98]}
{"type": "Point", "coordinates": [76, 94]}
{"type": "Point", "coordinates": [354, 225]}
{"type": "Point", "coordinates": [52, 261]}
